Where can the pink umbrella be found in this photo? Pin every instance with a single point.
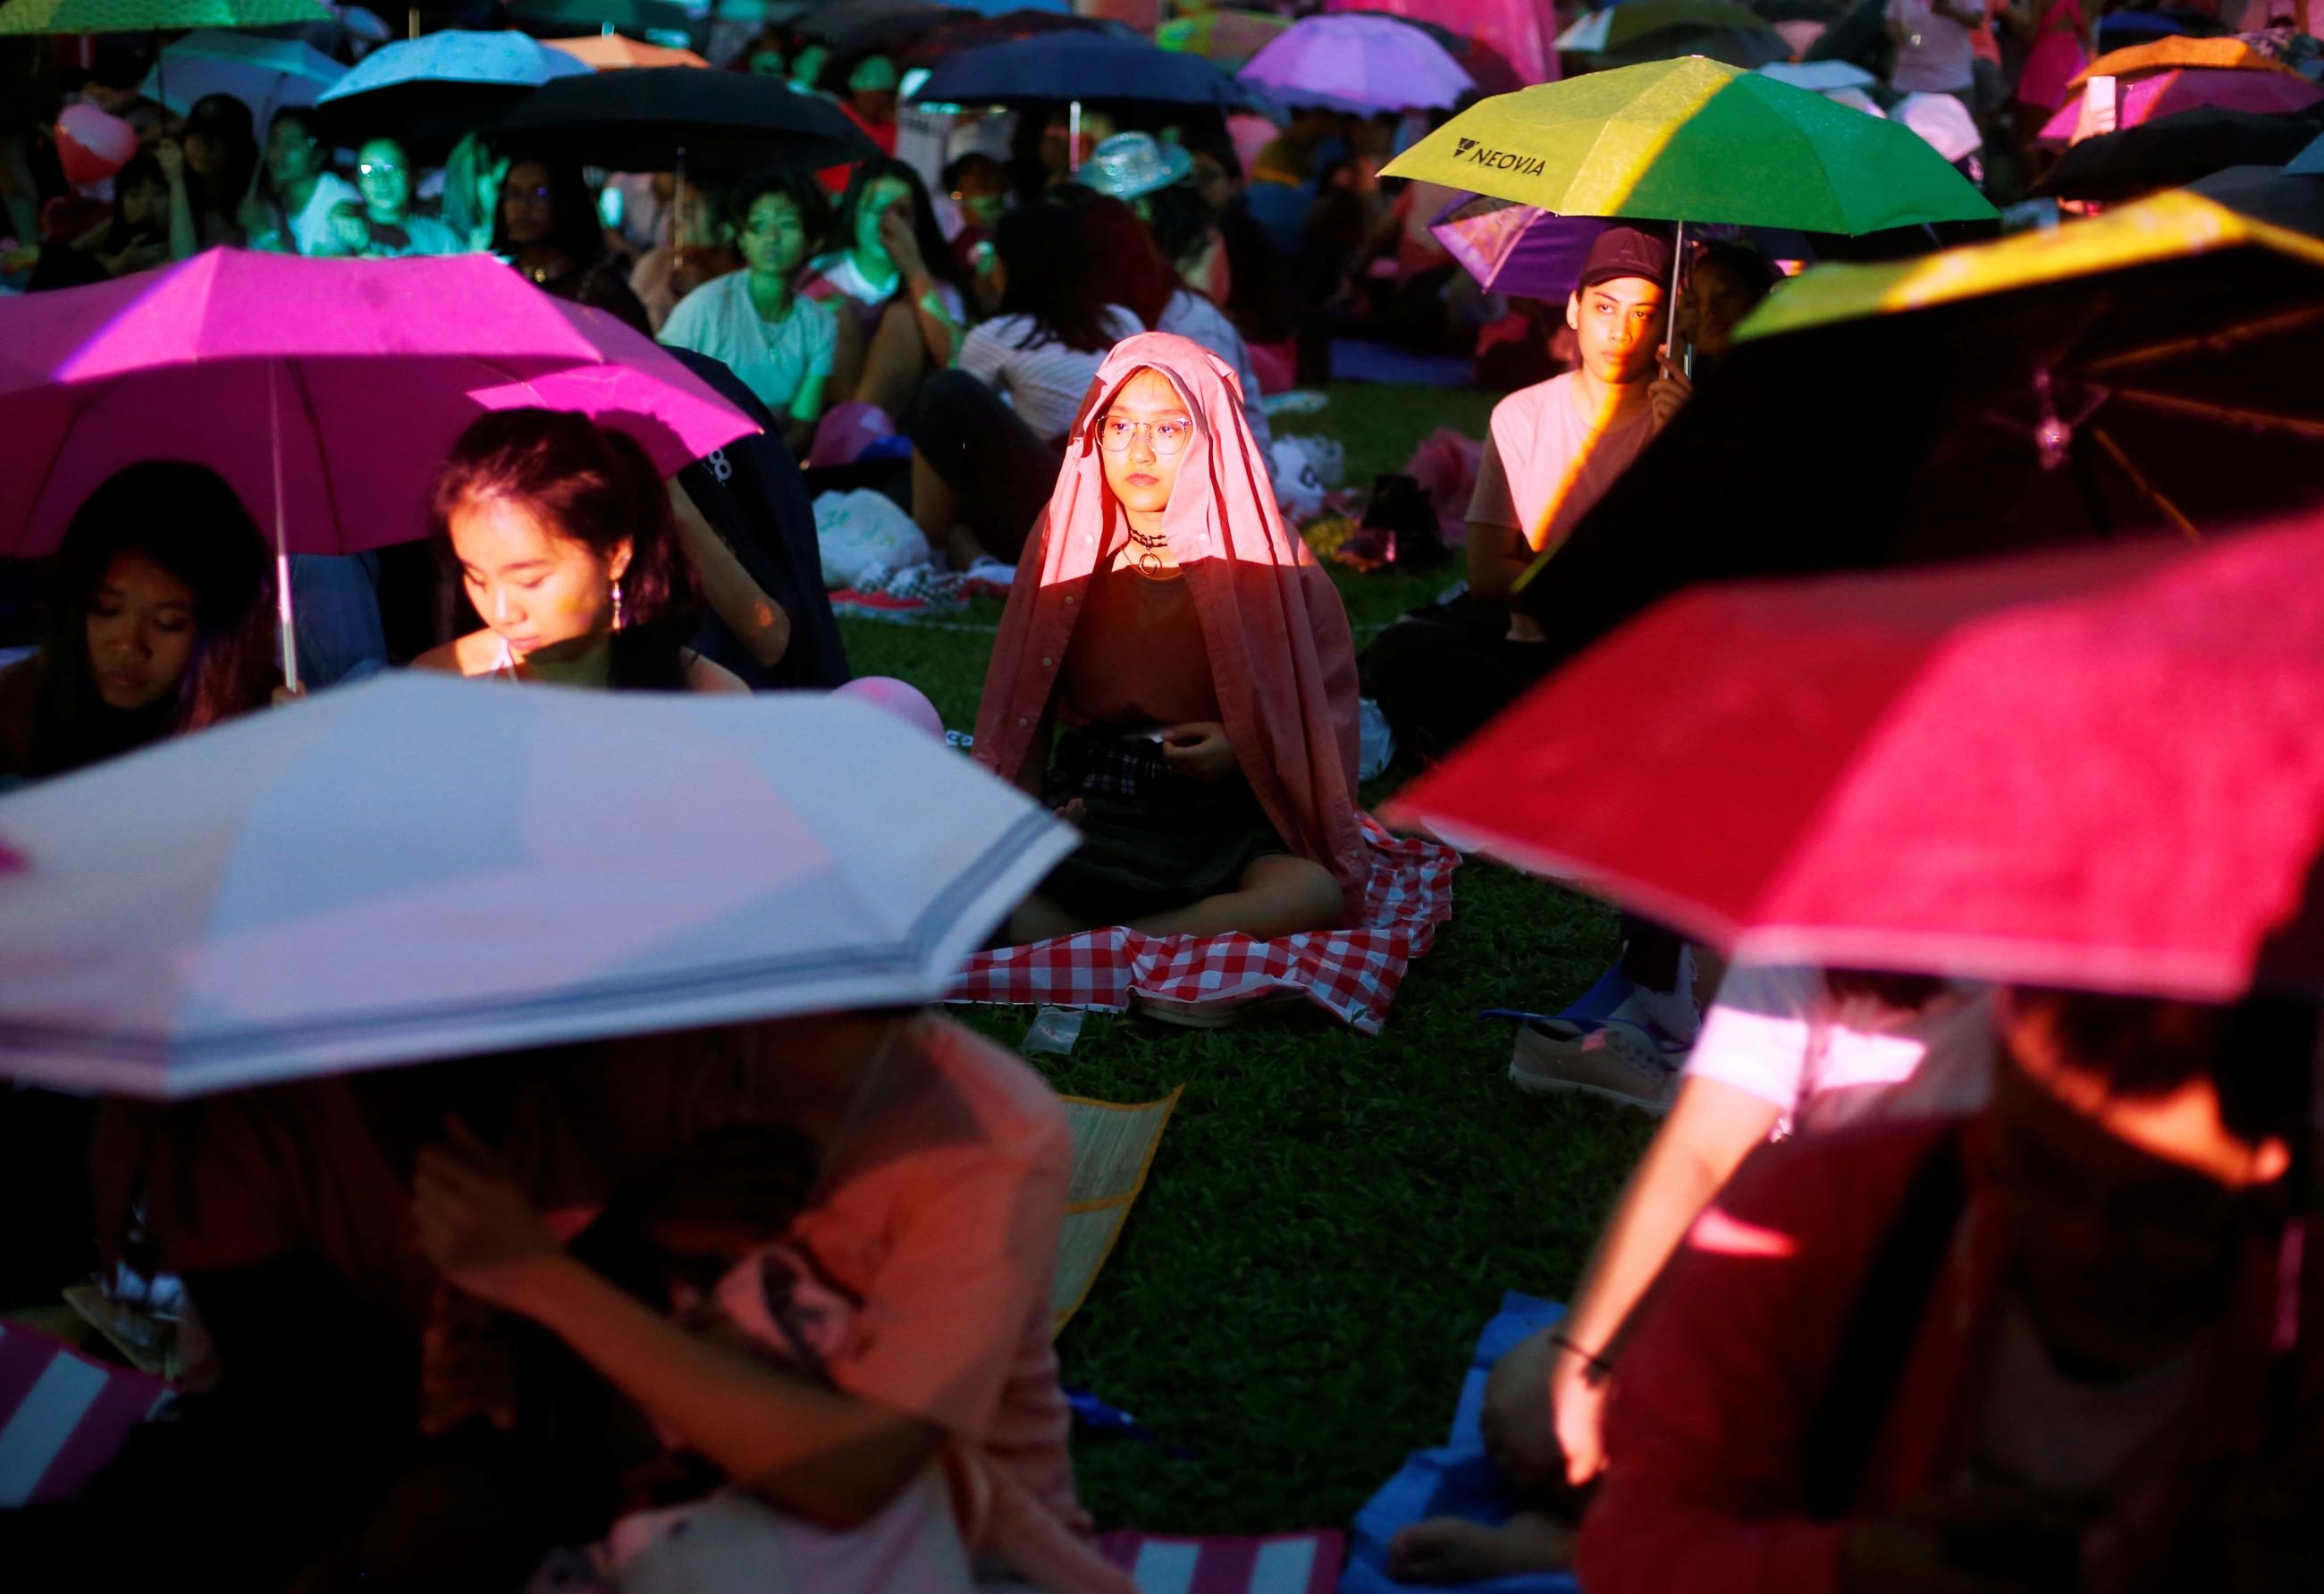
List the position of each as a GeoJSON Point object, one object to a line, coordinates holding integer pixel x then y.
{"type": "Point", "coordinates": [2185, 88]}
{"type": "Point", "coordinates": [324, 391]}
{"type": "Point", "coordinates": [1522, 33]}
{"type": "Point", "coordinates": [1353, 62]}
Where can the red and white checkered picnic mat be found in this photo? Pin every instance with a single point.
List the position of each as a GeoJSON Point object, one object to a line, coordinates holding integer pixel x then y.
{"type": "Point", "coordinates": [1352, 973]}
{"type": "Point", "coordinates": [1278, 1563]}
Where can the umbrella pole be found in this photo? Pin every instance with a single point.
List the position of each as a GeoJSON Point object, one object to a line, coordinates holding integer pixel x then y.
{"type": "Point", "coordinates": [1678, 264]}
{"type": "Point", "coordinates": [282, 606]}
{"type": "Point", "coordinates": [1073, 135]}
{"type": "Point", "coordinates": [411, 21]}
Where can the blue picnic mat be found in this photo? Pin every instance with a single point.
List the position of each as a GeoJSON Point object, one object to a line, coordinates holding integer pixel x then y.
{"type": "Point", "coordinates": [1358, 359]}
{"type": "Point", "coordinates": [1455, 1479]}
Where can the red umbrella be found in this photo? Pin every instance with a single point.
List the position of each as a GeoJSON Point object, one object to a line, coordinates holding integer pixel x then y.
{"type": "Point", "coordinates": [2102, 769]}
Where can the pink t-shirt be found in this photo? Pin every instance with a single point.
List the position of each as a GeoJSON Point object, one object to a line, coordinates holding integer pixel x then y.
{"type": "Point", "coordinates": [1549, 457]}
{"type": "Point", "coordinates": [1778, 1034]}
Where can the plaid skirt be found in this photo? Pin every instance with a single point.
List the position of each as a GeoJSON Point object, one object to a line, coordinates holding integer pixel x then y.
{"type": "Point", "coordinates": [1152, 839]}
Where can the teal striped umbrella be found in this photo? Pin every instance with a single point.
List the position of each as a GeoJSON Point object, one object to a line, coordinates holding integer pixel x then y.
{"type": "Point", "coordinates": [144, 16]}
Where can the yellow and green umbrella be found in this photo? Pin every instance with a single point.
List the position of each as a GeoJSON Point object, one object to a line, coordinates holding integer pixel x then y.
{"type": "Point", "coordinates": [1694, 141]}
{"type": "Point", "coordinates": [141, 16]}
{"type": "Point", "coordinates": [2172, 225]}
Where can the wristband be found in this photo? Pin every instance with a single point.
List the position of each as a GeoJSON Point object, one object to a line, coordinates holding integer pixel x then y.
{"type": "Point", "coordinates": [1603, 1367]}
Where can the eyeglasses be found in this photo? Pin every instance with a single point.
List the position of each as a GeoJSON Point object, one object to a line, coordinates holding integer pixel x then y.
{"type": "Point", "coordinates": [1168, 436]}
{"type": "Point", "coordinates": [378, 168]}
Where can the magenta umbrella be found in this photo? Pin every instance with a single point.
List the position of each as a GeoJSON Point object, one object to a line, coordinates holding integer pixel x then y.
{"type": "Point", "coordinates": [324, 391]}
{"type": "Point", "coordinates": [2188, 89]}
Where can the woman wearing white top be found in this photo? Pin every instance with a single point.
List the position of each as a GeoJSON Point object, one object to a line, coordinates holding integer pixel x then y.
{"type": "Point", "coordinates": [302, 206]}
{"type": "Point", "coordinates": [781, 345]}
{"type": "Point", "coordinates": [1799, 1047]}
{"type": "Point", "coordinates": [988, 439]}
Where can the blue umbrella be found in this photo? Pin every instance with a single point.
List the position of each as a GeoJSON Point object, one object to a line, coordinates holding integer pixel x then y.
{"type": "Point", "coordinates": [265, 74]}
{"type": "Point", "coordinates": [1079, 67]}
{"type": "Point", "coordinates": [430, 91]}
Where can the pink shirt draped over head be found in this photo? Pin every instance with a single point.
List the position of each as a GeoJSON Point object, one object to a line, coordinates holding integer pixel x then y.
{"type": "Point", "coordinates": [1272, 624]}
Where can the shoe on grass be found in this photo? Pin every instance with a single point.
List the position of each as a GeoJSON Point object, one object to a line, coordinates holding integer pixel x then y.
{"type": "Point", "coordinates": [1617, 1060]}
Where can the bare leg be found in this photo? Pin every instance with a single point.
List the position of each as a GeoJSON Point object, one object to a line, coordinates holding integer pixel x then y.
{"type": "Point", "coordinates": [935, 511]}
{"type": "Point", "coordinates": [847, 353]}
{"type": "Point", "coordinates": [1036, 918]}
{"type": "Point", "coordinates": [895, 360]}
{"type": "Point", "coordinates": [1278, 895]}
{"type": "Point", "coordinates": [1455, 1550]}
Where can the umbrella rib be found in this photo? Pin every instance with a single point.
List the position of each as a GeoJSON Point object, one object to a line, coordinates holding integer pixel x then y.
{"type": "Point", "coordinates": [49, 468]}
{"type": "Point", "coordinates": [2145, 488]}
{"type": "Point", "coordinates": [322, 454]}
{"type": "Point", "coordinates": [2213, 343]}
{"type": "Point", "coordinates": [2228, 414]}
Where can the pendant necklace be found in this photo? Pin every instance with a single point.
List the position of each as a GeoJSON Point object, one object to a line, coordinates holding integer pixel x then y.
{"type": "Point", "coordinates": [1150, 563]}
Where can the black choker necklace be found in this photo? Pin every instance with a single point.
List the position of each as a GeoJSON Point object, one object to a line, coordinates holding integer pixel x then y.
{"type": "Point", "coordinates": [1149, 562]}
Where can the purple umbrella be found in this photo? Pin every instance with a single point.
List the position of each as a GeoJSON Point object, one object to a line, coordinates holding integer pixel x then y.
{"type": "Point", "coordinates": [1517, 248]}
{"type": "Point", "coordinates": [1353, 61]}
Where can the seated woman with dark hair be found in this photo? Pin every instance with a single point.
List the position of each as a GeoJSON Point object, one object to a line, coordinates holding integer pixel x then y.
{"type": "Point", "coordinates": [136, 237]}
{"type": "Point", "coordinates": [893, 266]}
{"type": "Point", "coordinates": [547, 228]}
{"type": "Point", "coordinates": [987, 440]}
{"type": "Point", "coordinates": [561, 535]}
{"type": "Point", "coordinates": [782, 346]}
{"type": "Point", "coordinates": [1199, 661]}
{"type": "Point", "coordinates": [158, 622]}
{"type": "Point", "coordinates": [300, 205]}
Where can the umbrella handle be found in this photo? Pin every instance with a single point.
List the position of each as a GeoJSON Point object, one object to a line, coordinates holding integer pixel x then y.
{"type": "Point", "coordinates": [1072, 136]}
{"type": "Point", "coordinates": [284, 617]}
{"type": "Point", "coordinates": [1669, 321]}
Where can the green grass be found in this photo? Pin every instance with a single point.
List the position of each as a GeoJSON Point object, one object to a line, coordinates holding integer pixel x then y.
{"type": "Point", "coordinates": [1332, 1216]}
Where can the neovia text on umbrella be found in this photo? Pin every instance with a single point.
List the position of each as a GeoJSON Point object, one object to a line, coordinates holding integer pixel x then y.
{"type": "Point", "coordinates": [1470, 149]}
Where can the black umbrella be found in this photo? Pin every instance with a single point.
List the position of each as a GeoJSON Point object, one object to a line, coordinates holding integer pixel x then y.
{"type": "Point", "coordinates": [975, 32]}
{"type": "Point", "coordinates": [2171, 152]}
{"type": "Point", "coordinates": [2292, 199]}
{"type": "Point", "coordinates": [2164, 398]}
{"type": "Point", "coordinates": [850, 26]}
{"type": "Point", "coordinates": [665, 118]}
{"type": "Point", "coordinates": [1056, 68]}
{"type": "Point", "coordinates": [1827, 12]}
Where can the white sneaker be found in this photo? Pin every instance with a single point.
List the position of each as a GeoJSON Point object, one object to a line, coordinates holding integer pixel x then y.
{"type": "Point", "coordinates": [1620, 1059]}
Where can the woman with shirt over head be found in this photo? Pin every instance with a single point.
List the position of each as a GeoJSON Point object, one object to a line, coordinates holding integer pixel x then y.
{"type": "Point", "coordinates": [561, 535]}
{"type": "Point", "coordinates": [1199, 662]}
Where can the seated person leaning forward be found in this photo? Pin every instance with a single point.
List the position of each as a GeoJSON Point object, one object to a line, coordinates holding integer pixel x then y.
{"type": "Point", "coordinates": [1199, 662]}
{"type": "Point", "coordinates": [566, 543]}
{"type": "Point", "coordinates": [918, 1214]}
